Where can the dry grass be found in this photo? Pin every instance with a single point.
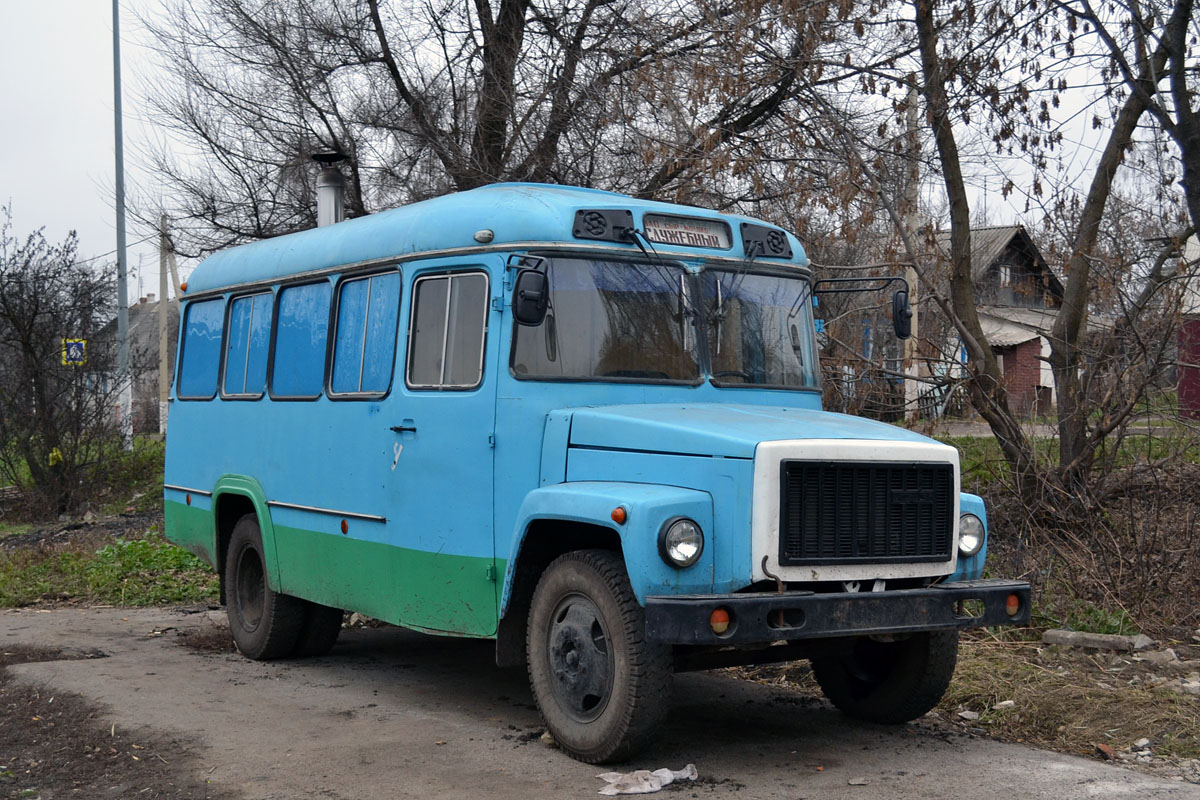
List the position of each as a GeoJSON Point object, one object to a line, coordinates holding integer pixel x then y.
{"type": "Point", "coordinates": [1065, 700]}
{"type": "Point", "coordinates": [1069, 700]}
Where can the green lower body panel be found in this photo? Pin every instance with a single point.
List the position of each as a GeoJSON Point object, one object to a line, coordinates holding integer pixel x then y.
{"type": "Point", "coordinates": [192, 529]}
{"type": "Point", "coordinates": [430, 591]}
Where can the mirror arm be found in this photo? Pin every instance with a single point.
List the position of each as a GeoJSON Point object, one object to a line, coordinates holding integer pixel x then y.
{"type": "Point", "coordinates": [873, 285]}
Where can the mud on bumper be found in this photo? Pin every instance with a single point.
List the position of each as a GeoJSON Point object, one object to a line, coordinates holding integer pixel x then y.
{"type": "Point", "coordinates": [772, 616]}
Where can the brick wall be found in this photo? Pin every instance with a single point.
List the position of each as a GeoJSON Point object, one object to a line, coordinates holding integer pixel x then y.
{"type": "Point", "coordinates": [1022, 375]}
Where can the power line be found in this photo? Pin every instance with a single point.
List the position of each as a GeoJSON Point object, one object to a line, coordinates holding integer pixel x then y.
{"type": "Point", "coordinates": [109, 253]}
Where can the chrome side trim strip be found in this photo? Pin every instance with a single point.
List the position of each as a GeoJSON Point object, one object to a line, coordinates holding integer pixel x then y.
{"type": "Point", "coordinates": [333, 512]}
{"type": "Point", "coordinates": [175, 488]}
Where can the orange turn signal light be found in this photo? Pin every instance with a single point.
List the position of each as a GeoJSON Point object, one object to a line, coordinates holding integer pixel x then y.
{"type": "Point", "coordinates": [1012, 605]}
{"type": "Point", "coordinates": [718, 620]}
{"type": "Point", "coordinates": [345, 526]}
{"type": "Point", "coordinates": [619, 515]}
{"type": "Point", "coordinates": [183, 286]}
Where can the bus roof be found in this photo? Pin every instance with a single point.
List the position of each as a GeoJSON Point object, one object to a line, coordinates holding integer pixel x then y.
{"type": "Point", "coordinates": [518, 214]}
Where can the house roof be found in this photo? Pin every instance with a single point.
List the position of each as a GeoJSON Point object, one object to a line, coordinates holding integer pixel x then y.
{"type": "Point", "coordinates": [1039, 321]}
{"type": "Point", "coordinates": [989, 242]}
{"type": "Point", "coordinates": [1001, 332]}
{"type": "Point", "coordinates": [1010, 325]}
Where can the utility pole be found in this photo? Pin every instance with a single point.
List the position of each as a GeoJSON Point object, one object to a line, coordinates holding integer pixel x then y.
{"type": "Point", "coordinates": [124, 382]}
{"type": "Point", "coordinates": [912, 221]}
{"type": "Point", "coordinates": [164, 309]}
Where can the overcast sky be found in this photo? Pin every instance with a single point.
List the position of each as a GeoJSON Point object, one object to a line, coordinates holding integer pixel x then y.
{"type": "Point", "coordinates": [56, 144]}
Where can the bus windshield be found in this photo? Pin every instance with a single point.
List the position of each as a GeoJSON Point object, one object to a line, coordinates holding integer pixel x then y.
{"type": "Point", "coordinates": [634, 321]}
{"type": "Point", "coordinates": [759, 329]}
{"type": "Point", "coordinates": [613, 320]}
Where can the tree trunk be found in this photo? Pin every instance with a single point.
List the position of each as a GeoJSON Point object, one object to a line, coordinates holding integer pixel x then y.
{"type": "Point", "coordinates": [986, 386]}
{"type": "Point", "coordinates": [1066, 340]}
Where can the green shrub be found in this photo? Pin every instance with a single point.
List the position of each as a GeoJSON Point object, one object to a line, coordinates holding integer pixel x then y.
{"type": "Point", "coordinates": [134, 572]}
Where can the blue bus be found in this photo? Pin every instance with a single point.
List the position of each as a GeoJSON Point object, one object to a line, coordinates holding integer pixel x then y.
{"type": "Point", "coordinates": [583, 425]}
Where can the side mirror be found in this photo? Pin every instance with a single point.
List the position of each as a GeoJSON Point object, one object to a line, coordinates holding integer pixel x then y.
{"type": "Point", "coordinates": [901, 314]}
{"type": "Point", "coordinates": [531, 297]}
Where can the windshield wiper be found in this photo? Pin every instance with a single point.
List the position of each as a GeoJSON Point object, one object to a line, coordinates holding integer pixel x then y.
{"type": "Point", "coordinates": [753, 251]}
{"type": "Point", "coordinates": [689, 316]}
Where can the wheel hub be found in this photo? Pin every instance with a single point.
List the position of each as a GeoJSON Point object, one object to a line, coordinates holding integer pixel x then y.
{"type": "Point", "coordinates": [580, 659]}
{"type": "Point", "coordinates": [248, 591]}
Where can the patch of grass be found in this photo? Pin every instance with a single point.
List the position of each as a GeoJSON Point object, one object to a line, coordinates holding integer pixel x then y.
{"type": "Point", "coordinates": [1085, 616]}
{"type": "Point", "coordinates": [981, 461]}
{"type": "Point", "coordinates": [13, 528]}
{"type": "Point", "coordinates": [135, 571]}
{"type": "Point", "coordinates": [1067, 706]}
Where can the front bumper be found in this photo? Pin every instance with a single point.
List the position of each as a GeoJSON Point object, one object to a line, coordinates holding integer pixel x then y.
{"type": "Point", "coordinates": [771, 616]}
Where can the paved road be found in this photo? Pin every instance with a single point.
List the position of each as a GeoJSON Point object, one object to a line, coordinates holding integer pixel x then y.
{"type": "Point", "coordinates": [393, 714]}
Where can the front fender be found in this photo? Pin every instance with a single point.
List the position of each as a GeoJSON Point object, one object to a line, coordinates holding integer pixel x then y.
{"type": "Point", "coordinates": [647, 507]}
{"type": "Point", "coordinates": [971, 569]}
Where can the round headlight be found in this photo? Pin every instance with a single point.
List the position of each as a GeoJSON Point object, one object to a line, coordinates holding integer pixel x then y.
{"type": "Point", "coordinates": [971, 535]}
{"type": "Point", "coordinates": [680, 542]}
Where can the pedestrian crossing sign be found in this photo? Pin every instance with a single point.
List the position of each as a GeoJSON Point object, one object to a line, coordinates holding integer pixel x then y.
{"type": "Point", "coordinates": [74, 352]}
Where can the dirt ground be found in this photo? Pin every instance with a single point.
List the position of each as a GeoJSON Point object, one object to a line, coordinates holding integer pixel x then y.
{"type": "Point", "coordinates": [395, 714]}
{"type": "Point", "coordinates": [57, 743]}
{"type": "Point", "coordinates": [60, 745]}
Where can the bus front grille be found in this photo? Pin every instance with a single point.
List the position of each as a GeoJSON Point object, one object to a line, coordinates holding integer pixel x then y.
{"type": "Point", "coordinates": [865, 512]}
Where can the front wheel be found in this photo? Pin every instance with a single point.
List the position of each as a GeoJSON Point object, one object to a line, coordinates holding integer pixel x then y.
{"type": "Point", "coordinates": [889, 680]}
{"type": "Point", "coordinates": [601, 687]}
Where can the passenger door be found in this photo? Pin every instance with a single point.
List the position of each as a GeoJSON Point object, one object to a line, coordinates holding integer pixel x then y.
{"type": "Point", "coordinates": [442, 417]}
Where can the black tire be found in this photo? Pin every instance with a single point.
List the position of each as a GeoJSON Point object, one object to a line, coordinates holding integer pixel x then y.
{"type": "Point", "coordinates": [889, 681]}
{"type": "Point", "coordinates": [601, 687]}
{"type": "Point", "coordinates": [320, 630]}
{"type": "Point", "coordinates": [264, 623]}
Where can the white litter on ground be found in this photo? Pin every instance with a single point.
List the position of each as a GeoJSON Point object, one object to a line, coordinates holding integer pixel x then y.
{"type": "Point", "coordinates": [644, 781]}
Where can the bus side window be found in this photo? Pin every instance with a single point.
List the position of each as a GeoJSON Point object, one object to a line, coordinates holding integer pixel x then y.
{"type": "Point", "coordinates": [301, 331]}
{"type": "Point", "coordinates": [365, 340]}
{"type": "Point", "coordinates": [246, 346]}
{"type": "Point", "coordinates": [201, 350]}
{"type": "Point", "coordinates": [448, 331]}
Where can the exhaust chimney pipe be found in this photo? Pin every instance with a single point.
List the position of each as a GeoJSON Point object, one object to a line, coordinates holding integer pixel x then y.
{"type": "Point", "coordinates": [331, 189]}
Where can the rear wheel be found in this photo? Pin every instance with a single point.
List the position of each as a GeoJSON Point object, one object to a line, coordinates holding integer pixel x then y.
{"type": "Point", "coordinates": [889, 681]}
{"type": "Point", "coordinates": [265, 624]}
{"type": "Point", "coordinates": [318, 634]}
{"type": "Point", "coordinates": [601, 687]}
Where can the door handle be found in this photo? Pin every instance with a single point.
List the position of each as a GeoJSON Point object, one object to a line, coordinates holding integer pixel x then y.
{"type": "Point", "coordinates": [403, 428]}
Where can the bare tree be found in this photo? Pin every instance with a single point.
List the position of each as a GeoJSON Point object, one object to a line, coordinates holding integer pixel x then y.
{"type": "Point", "coordinates": [432, 97]}
{"type": "Point", "coordinates": [56, 420]}
{"type": "Point", "coordinates": [1148, 50]}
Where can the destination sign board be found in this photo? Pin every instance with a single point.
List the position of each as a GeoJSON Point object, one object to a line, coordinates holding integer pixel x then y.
{"type": "Point", "coordinates": [687, 231]}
